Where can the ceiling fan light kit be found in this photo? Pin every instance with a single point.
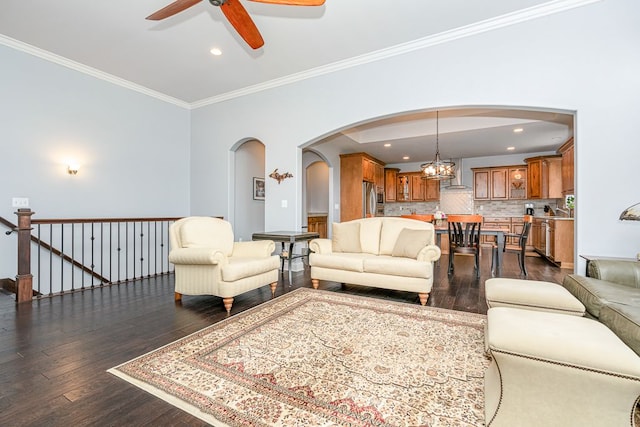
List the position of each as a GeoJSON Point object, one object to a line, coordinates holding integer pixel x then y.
{"type": "Point", "coordinates": [235, 13]}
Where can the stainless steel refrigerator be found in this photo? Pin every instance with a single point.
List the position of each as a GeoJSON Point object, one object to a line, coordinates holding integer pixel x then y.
{"type": "Point", "coordinates": [369, 201]}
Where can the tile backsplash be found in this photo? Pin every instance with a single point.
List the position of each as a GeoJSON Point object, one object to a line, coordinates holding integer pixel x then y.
{"type": "Point", "coordinates": [483, 207]}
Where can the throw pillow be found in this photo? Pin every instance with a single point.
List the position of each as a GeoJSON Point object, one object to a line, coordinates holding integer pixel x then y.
{"type": "Point", "coordinates": [410, 242]}
{"type": "Point", "coordinates": [346, 237]}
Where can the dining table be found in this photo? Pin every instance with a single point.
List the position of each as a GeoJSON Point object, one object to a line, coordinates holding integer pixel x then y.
{"type": "Point", "coordinates": [484, 231]}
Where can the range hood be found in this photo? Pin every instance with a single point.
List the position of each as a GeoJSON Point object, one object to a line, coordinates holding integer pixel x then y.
{"type": "Point", "coordinates": [456, 183]}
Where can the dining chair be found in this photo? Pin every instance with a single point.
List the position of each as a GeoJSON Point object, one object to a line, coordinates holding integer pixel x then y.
{"type": "Point", "coordinates": [464, 238]}
{"type": "Point", "coordinates": [519, 248]}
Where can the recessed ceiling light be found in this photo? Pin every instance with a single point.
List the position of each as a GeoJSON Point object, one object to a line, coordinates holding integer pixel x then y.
{"type": "Point", "coordinates": [405, 158]}
{"type": "Point", "coordinates": [387, 145]}
{"type": "Point", "coordinates": [215, 51]}
{"type": "Point", "coordinates": [511, 148]}
{"type": "Point", "coordinates": [518, 130]}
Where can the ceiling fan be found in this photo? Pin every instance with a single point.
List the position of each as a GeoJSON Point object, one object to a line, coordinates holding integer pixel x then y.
{"type": "Point", "coordinates": [235, 13]}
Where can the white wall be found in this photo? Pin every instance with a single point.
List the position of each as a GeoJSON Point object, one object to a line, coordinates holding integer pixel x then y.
{"type": "Point", "coordinates": [133, 150]}
{"type": "Point", "coordinates": [249, 213]}
{"type": "Point", "coordinates": [317, 188]}
{"type": "Point", "coordinates": [584, 60]}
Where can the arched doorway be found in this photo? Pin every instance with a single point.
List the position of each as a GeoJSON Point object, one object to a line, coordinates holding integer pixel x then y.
{"type": "Point", "coordinates": [249, 161]}
{"type": "Point", "coordinates": [316, 193]}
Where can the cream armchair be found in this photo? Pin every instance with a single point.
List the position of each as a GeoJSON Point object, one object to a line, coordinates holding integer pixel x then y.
{"type": "Point", "coordinates": [208, 262]}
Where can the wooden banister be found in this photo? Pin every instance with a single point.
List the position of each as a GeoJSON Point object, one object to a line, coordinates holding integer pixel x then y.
{"type": "Point", "coordinates": [148, 243]}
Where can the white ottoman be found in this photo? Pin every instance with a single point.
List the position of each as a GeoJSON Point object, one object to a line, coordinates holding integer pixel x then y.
{"type": "Point", "coordinates": [532, 295]}
{"type": "Point", "coordinates": [551, 369]}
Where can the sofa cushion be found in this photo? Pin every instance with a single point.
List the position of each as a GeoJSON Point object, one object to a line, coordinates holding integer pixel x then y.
{"type": "Point", "coordinates": [340, 261]}
{"type": "Point", "coordinates": [346, 237]}
{"type": "Point", "coordinates": [594, 293]}
{"type": "Point", "coordinates": [391, 229]}
{"type": "Point", "coordinates": [370, 235]}
{"type": "Point", "coordinates": [410, 242]}
{"type": "Point", "coordinates": [396, 266]}
{"type": "Point", "coordinates": [624, 321]}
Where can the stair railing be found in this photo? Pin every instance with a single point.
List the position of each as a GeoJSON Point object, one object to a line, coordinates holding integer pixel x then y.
{"type": "Point", "coordinates": [57, 256]}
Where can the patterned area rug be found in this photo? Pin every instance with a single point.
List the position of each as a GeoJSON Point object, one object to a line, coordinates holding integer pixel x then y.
{"type": "Point", "coordinates": [318, 358]}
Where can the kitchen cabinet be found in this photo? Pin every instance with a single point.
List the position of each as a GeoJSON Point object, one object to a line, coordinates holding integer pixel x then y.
{"type": "Point", "coordinates": [553, 239]}
{"type": "Point", "coordinates": [561, 242]}
{"type": "Point", "coordinates": [417, 188]}
{"type": "Point", "coordinates": [517, 224]}
{"type": "Point", "coordinates": [317, 224]}
{"type": "Point", "coordinates": [503, 223]}
{"type": "Point", "coordinates": [499, 183]}
{"type": "Point", "coordinates": [567, 166]}
{"type": "Point", "coordinates": [355, 169]}
{"type": "Point", "coordinates": [390, 184]}
{"type": "Point", "coordinates": [432, 190]}
{"type": "Point", "coordinates": [413, 188]}
{"type": "Point", "coordinates": [544, 177]}
{"type": "Point", "coordinates": [537, 235]}
{"type": "Point", "coordinates": [517, 183]}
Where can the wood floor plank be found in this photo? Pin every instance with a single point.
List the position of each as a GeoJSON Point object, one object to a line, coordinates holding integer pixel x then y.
{"type": "Point", "coordinates": [54, 352]}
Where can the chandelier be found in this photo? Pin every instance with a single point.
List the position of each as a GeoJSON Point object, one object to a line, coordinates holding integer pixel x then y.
{"type": "Point", "coordinates": [438, 169]}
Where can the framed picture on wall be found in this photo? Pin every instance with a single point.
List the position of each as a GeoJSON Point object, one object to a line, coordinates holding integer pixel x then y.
{"type": "Point", "coordinates": [258, 188]}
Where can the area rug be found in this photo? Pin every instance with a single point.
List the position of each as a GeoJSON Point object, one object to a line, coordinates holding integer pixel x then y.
{"type": "Point", "coordinates": [319, 358]}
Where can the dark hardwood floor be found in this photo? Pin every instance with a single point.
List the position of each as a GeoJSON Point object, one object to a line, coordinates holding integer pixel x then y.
{"type": "Point", "coordinates": [54, 352]}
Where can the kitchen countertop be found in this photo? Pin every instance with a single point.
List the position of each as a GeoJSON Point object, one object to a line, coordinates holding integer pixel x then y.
{"type": "Point", "coordinates": [556, 218]}
{"type": "Point", "coordinates": [312, 214]}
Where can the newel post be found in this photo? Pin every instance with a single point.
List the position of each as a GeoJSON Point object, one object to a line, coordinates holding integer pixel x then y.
{"type": "Point", "coordinates": [24, 279]}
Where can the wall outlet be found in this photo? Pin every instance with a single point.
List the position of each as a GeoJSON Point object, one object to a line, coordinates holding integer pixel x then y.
{"type": "Point", "coordinates": [284, 203]}
{"type": "Point", "coordinates": [20, 202]}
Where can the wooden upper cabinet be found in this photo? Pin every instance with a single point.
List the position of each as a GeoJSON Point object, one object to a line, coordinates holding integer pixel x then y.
{"type": "Point", "coordinates": [534, 178]}
{"type": "Point", "coordinates": [404, 187]}
{"type": "Point", "coordinates": [544, 177]}
{"type": "Point", "coordinates": [517, 183]}
{"type": "Point", "coordinates": [368, 170]}
{"type": "Point", "coordinates": [379, 176]}
{"type": "Point", "coordinates": [431, 189]}
{"type": "Point", "coordinates": [481, 179]}
{"type": "Point", "coordinates": [567, 163]}
{"type": "Point", "coordinates": [417, 187]}
{"type": "Point", "coordinates": [390, 184]}
{"type": "Point", "coordinates": [411, 187]}
{"type": "Point", "coordinates": [499, 181]}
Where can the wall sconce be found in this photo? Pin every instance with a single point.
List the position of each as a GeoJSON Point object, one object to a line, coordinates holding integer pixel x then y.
{"type": "Point", "coordinates": [72, 169]}
{"type": "Point", "coordinates": [279, 177]}
{"type": "Point", "coordinates": [632, 213]}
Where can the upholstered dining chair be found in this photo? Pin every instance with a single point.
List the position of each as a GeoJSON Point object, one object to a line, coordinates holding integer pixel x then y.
{"type": "Point", "coordinates": [208, 261]}
{"type": "Point", "coordinates": [519, 247]}
{"type": "Point", "coordinates": [464, 238]}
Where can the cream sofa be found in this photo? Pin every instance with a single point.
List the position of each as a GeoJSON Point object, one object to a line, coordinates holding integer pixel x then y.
{"type": "Point", "coordinates": [383, 252]}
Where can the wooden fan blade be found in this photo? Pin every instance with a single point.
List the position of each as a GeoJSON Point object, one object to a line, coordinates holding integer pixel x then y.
{"type": "Point", "coordinates": [170, 10]}
{"type": "Point", "coordinates": [242, 22]}
{"type": "Point", "coordinates": [293, 2]}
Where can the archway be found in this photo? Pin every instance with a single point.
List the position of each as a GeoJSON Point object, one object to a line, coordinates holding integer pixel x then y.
{"type": "Point", "coordinates": [248, 192]}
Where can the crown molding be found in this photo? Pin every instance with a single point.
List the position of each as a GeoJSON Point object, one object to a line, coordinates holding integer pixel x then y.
{"type": "Point", "coordinates": [534, 12]}
{"type": "Point", "coordinates": [501, 21]}
{"type": "Point", "coordinates": [76, 66]}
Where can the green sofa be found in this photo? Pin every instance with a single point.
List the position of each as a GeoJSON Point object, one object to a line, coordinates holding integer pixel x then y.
{"type": "Point", "coordinates": [611, 294]}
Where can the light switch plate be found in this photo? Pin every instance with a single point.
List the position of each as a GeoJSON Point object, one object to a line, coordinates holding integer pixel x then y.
{"type": "Point", "coordinates": [20, 202]}
{"type": "Point", "coordinates": [284, 203]}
